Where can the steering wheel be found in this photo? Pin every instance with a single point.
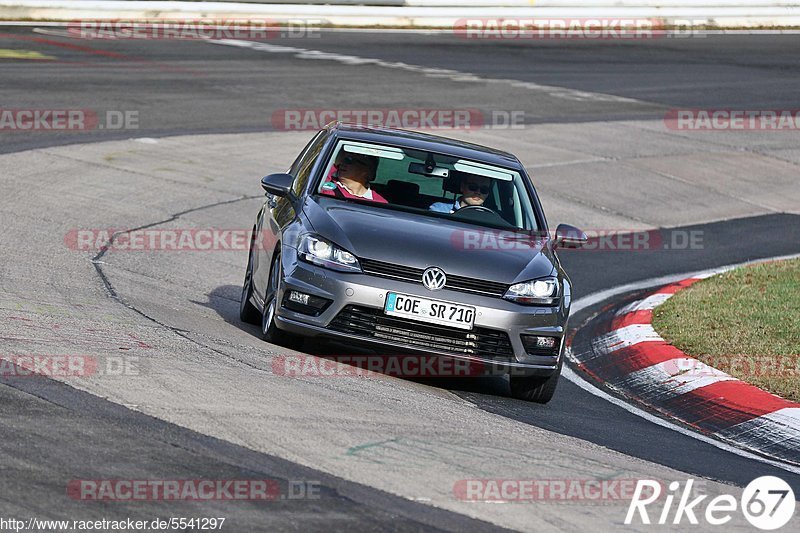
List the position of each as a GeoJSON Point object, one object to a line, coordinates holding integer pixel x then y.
{"type": "Point", "coordinates": [478, 208]}
{"type": "Point", "coordinates": [481, 214]}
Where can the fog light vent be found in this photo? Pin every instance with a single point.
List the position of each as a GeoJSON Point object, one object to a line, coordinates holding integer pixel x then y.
{"type": "Point", "coordinates": [304, 303]}
{"type": "Point", "coordinates": [298, 297]}
{"type": "Point", "coordinates": [540, 345]}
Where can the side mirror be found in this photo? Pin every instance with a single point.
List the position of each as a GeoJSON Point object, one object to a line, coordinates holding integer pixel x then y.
{"type": "Point", "coordinates": [278, 184]}
{"type": "Point", "coordinates": [569, 237]}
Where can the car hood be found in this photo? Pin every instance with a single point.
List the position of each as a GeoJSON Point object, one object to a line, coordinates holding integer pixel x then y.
{"type": "Point", "coordinates": [420, 241]}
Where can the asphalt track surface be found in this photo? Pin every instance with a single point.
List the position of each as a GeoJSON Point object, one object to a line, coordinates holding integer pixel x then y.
{"type": "Point", "coordinates": [180, 87]}
{"type": "Point", "coordinates": [54, 433]}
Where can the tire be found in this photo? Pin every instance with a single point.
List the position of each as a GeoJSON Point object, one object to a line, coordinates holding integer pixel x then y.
{"type": "Point", "coordinates": [247, 311]}
{"type": "Point", "coordinates": [535, 388]}
{"type": "Point", "coordinates": [269, 331]}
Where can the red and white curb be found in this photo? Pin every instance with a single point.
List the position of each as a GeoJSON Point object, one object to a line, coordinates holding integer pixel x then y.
{"type": "Point", "coordinates": [620, 348]}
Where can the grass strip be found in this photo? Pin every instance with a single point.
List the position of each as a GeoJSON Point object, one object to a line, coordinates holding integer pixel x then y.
{"type": "Point", "coordinates": [745, 322]}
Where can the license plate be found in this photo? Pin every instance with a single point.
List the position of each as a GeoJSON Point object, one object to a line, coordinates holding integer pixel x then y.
{"type": "Point", "coordinates": [431, 311]}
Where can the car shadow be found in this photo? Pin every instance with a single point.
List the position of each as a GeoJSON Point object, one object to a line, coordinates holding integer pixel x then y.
{"type": "Point", "coordinates": [224, 300]}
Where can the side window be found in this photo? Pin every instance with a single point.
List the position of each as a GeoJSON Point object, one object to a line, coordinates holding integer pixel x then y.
{"type": "Point", "coordinates": [301, 169]}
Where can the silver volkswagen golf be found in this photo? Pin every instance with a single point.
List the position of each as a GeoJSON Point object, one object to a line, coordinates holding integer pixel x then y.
{"type": "Point", "coordinates": [415, 244]}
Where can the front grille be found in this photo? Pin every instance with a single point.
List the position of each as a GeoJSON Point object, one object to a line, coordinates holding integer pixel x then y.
{"type": "Point", "coordinates": [369, 322]}
{"type": "Point", "coordinates": [414, 275]}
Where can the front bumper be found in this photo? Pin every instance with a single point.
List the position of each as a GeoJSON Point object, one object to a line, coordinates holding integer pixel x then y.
{"type": "Point", "coordinates": [346, 290]}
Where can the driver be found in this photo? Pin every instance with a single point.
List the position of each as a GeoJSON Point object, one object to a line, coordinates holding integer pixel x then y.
{"type": "Point", "coordinates": [474, 190]}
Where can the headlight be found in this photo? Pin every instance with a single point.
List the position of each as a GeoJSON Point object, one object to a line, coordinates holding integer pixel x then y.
{"type": "Point", "coordinates": [535, 292]}
{"type": "Point", "coordinates": [320, 252]}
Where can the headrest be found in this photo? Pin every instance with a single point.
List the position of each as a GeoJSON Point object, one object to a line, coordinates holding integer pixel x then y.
{"type": "Point", "coordinates": [402, 187]}
{"type": "Point", "coordinates": [452, 183]}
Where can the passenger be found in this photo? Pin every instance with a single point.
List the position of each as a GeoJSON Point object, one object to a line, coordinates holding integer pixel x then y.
{"type": "Point", "coordinates": [474, 190]}
{"type": "Point", "coordinates": [351, 176]}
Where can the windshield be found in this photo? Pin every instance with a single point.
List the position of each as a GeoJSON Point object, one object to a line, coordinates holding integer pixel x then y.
{"type": "Point", "coordinates": [432, 184]}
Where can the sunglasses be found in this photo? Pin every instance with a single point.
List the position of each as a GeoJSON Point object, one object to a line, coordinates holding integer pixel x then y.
{"type": "Point", "coordinates": [349, 160]}
{"type": "Point", "coordinates": [484, 189]}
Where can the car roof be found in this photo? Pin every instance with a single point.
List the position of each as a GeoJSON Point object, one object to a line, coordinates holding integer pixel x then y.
{"type": "Point", "coordinates": [425, 142]}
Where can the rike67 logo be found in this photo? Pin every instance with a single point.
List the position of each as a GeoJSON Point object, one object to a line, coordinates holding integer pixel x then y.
{"type": "Point", "coordinates": [767, 503]}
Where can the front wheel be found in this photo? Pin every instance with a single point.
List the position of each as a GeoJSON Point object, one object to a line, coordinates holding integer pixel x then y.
{"type": "Point", "coordinates": [535, 388]}
{"type": "Point", "coordinates": [247, 311]}
{"type": "Point", "coordinates": [269, 331]}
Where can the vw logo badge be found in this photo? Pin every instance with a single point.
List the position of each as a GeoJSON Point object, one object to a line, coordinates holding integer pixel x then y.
{"type": "Point", "coordinates": [433, 278]}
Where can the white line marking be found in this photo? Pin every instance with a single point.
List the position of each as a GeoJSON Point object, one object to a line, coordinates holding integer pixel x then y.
{"type": "Point", "coordinates": [647, 304]}
{"type": "Point", "coordinates": [705, 275]}
{"type": "Point", "coordinates": [54, 33]}
{"type": "Point", "coordinates": [664, 381]}
{"type": "Point", "coordinates": [789, 416]}
{"type": "Point", "coordinates": [625, 337]}
{"type": "Point", "coordinates": [571, 375]}
{"type": "Point", "coordinates": [777, 431]}
{"type": "Point", "coordinates": [452, 75]}
{"type": "Point", "coordinates": [580, 381]}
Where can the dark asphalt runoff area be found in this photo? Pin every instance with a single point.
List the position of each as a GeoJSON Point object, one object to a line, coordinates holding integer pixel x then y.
{"type": "Point", "coordinates": [190, 87]}
{"type": "Point", "coordinates": [53, 433]}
